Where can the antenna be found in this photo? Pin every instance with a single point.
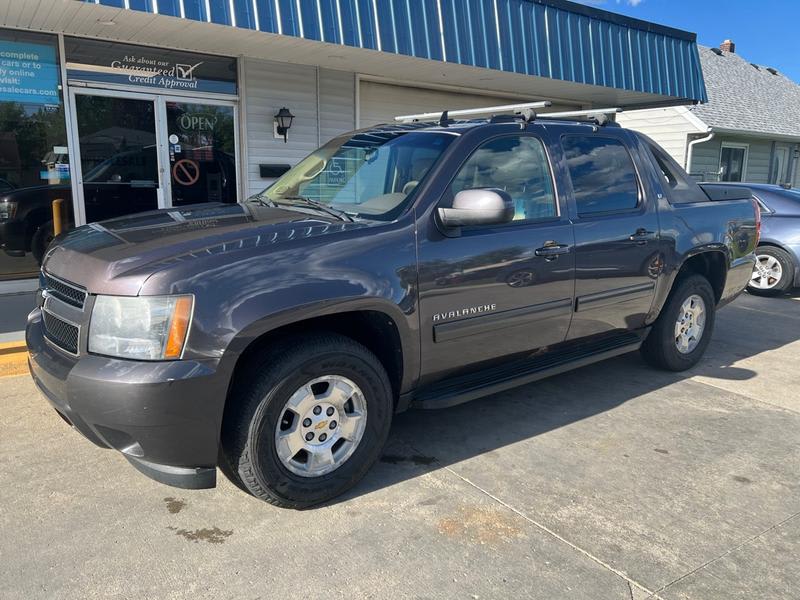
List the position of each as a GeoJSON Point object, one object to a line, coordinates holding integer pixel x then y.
{"type": "Point", "coordinates": [449, 114]}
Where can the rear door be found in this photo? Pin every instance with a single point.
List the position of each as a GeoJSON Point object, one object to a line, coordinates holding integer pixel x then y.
{"type": "Point", "coordinates": [617, 254]}
{"type": "Point", "coordinates": [497, 290]}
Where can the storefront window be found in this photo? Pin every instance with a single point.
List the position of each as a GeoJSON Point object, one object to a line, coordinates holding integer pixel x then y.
{"type": "Point", "coordinates": [34, 168]}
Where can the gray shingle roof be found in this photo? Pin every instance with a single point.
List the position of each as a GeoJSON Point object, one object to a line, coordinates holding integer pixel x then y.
{"type": "Point", "coordinates": [745, 98]}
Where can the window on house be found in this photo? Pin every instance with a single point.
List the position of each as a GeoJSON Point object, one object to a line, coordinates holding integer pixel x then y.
{"type": "Point", "coordinates": [733, 162]}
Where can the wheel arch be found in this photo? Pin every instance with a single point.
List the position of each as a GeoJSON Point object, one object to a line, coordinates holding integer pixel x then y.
{"type": "Point", "coordinates": [711, 264]}
{"type": "Point", "coordinates": [374, 326]}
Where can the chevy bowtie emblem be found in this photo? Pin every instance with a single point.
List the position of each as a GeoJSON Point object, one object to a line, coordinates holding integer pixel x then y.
{"type": "Point", "coordinates": [321, 425]}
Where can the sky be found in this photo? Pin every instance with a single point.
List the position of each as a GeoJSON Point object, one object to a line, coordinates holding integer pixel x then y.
{"type": "Point", "coordinates": [766, 32]}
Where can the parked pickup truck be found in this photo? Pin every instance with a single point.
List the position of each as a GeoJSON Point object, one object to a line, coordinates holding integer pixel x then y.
{"type": "Point", "coordinates": [414, 265]}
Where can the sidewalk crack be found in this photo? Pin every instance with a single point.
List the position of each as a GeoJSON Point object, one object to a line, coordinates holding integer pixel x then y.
{"type": "Point", "coordinates": [631, 582]}
{"type": "Point", "coordinates": [727, 552]}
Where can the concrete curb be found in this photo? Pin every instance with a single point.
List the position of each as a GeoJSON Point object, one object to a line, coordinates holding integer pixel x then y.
{"type": "Point", "coordinates": [13, 359]}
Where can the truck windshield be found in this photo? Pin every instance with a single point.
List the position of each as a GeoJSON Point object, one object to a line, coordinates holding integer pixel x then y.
{"type": "Point", "coordinates": [371, 174]}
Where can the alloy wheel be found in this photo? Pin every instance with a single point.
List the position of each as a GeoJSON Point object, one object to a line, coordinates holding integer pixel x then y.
{"type": "Point", "coordinates": [690, 324]}
{"type": "Point", "coordinates": [321, 426]}
{"type": "Point", "coordinates": [767, 272]}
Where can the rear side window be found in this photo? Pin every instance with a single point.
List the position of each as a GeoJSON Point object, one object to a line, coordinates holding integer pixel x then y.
{"type": "Point", "coordinates": [602, 173]}
{"type": "Point", "coordinates": [517, 164]}
{"type": "Point", "coordinates": [677, 185]}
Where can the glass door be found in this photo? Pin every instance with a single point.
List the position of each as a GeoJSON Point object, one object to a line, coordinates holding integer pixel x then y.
{"type": "Point", "coordinates": [119, 157]}
{"type": "Point", "coordinates": [202, 152]}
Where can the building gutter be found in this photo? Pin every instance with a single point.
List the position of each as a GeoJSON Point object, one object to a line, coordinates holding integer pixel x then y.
{"type": "Point", "coordinates": [693, 143]}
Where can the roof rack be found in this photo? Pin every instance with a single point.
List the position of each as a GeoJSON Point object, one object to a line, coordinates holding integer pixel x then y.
{"type": "Point", "coordinates": [601, 116]}
{"type": "Point", "coordinates": [444, 115]}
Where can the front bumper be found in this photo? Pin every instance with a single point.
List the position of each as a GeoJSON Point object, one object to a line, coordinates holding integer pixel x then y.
{"type": "Point", "coordinates": [164, 417]}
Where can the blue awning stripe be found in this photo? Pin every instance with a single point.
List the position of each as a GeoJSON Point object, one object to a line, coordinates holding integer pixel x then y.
{"type": "Point", "coordinates": [545, 38]}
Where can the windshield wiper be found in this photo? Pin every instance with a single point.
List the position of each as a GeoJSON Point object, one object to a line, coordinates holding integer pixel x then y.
{"type": "Point", "coordinates": [262, 200]}
{"type": "Point", "coordinates": [321, 206]}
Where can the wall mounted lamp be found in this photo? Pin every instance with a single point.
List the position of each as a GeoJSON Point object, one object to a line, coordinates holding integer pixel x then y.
{"type": "Point", "coordinates": [283, 122]}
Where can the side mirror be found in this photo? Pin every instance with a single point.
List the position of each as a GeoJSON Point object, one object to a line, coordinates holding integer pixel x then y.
{"type": "Point", "coordinates": [487, 206]}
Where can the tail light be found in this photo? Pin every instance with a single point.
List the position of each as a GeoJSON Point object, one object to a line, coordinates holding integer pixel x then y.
{"type": "Point", "coordinates": [757, 208]}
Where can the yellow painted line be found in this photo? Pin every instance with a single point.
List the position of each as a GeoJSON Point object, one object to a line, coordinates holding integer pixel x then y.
{"type": "Point", "coordinates": [13, 358]}
{"type": "Point", "coordinates": [12, 347]}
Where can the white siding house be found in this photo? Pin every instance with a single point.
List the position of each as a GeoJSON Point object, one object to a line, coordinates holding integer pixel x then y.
{"type": "Point", "coordinates": [748, 131]}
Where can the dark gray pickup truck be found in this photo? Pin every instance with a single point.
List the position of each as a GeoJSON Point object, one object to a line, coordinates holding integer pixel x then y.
{"type": "Point", "coordinates": [414, 265]}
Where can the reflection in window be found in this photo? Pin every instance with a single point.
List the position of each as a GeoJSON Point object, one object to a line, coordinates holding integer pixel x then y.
{"type": "Point", "coordinates": [34, 168]}
{"type": "Point", "coordinates": [518, 165]}
{"type": "Point", "coordinates": [602, 172]}
{"type": "Point", "coordinates": [372, 174]}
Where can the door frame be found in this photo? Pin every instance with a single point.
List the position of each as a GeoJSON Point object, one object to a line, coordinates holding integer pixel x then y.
{"type": "Point", "coordinates": [164, 194]}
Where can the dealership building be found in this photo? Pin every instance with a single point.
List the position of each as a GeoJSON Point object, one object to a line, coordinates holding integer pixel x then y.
{"type": "Point", "coordinates": [119, 106]}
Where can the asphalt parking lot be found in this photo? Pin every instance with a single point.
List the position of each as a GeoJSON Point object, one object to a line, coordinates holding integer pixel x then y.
{"type": "Point", "coordinates": [614, 481]}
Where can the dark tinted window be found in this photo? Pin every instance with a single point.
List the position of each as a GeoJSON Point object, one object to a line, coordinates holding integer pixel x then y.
{"type": "Point", "coordinates": [602, 174]}
{"type": "Point", "coordinates": [517, 165]}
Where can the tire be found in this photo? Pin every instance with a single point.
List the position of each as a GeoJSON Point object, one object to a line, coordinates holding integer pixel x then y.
{"type": "Point", "coordinates": [774, 261]}
{"type": "Point", "coordinates": [41, 240]}
{"type": "Point", "coordinates": [661, 347]}
{"type": "Point", "coordinates": [257, 417]}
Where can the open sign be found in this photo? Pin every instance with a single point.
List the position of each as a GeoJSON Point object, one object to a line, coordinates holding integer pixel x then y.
{"type": "Point", "coordinates": [197, 122]}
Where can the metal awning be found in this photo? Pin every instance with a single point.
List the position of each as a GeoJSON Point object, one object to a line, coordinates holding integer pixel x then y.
{"type": "Point", "coordinates": [540, 48]}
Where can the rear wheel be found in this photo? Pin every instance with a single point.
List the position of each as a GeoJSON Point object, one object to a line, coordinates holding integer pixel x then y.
{"type": "Point", "coordinates": [307, 421]}
{"type": "Point", "coordinates": [681, 333]}
{"type": "Point", "coordinates": [773, 272]}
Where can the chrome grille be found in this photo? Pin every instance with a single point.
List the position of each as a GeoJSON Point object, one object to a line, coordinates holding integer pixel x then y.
{"type": "Point", "coordinates": [66, 292]}
{"type": "Point", "coordinates": [62, 334]}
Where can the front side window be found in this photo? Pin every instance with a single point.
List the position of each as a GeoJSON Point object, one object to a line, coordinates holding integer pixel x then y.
{"type": "Point", "coordinates": [372, 174]}
{"type": "Point", "coordinates": [518, 165]}
{"type": "Point", "coordinates": [602, 172]}
{"type": "Point", "coordinates": [732, 163]}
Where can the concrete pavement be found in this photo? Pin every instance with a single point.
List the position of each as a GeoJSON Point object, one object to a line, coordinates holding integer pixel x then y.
{"type": "Point", "coordinates": [614, 481]}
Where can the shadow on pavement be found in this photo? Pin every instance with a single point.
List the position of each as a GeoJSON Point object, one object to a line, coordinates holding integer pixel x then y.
{"type": "Point", "coordinates": [468, 430]}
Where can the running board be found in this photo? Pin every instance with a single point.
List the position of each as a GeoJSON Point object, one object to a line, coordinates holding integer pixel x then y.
{"type": "Point", "coordinates": [519, 372]}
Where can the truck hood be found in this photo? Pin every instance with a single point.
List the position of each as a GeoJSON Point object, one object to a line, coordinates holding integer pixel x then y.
{"type": "Point", "coordinates": [117, 256]}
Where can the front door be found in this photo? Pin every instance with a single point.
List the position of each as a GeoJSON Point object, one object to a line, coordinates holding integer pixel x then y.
{"type": "Point", "coordinates": [140, 152]}
{"type": "Point", "coordinates": [497, 290]}
{"type": "Point", "coordinates": [119, 155]}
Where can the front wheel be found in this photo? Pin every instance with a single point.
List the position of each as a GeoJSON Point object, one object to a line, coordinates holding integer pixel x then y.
{"type": "Point", "coordinates": [681, 333]}
{"type": "Point", "coordinates": [41, 241]}
{"type": "Point", "coordinates": [773, 272]}
{"type": "Point", "coordinates": [307, 422]}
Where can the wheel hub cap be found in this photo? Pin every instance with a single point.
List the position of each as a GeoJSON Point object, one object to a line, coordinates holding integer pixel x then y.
{"type": "Point", "coordinates": [321, 425]}
{"type": "Point", "coordinates": [767, 272]}
{"type": "Point", "coordinates": [690, 324]}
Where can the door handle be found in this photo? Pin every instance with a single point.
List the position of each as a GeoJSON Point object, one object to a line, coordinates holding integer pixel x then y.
{"type": "Point", "coordinates": [552, 251]}
{"type": "Point", "coordinates": [641, 236]}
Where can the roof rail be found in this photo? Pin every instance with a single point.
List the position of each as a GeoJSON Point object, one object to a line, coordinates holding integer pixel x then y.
{"type": "Point", "coordinates": [445, 114]}
{"type": "Point", "coordinates": [599, 115]}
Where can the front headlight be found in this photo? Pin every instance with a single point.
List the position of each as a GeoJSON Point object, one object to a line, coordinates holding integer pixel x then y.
{"type": "Point", "coordinates": [140, 327]}
{"type": "Point", "coordinates": [8, 210]}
